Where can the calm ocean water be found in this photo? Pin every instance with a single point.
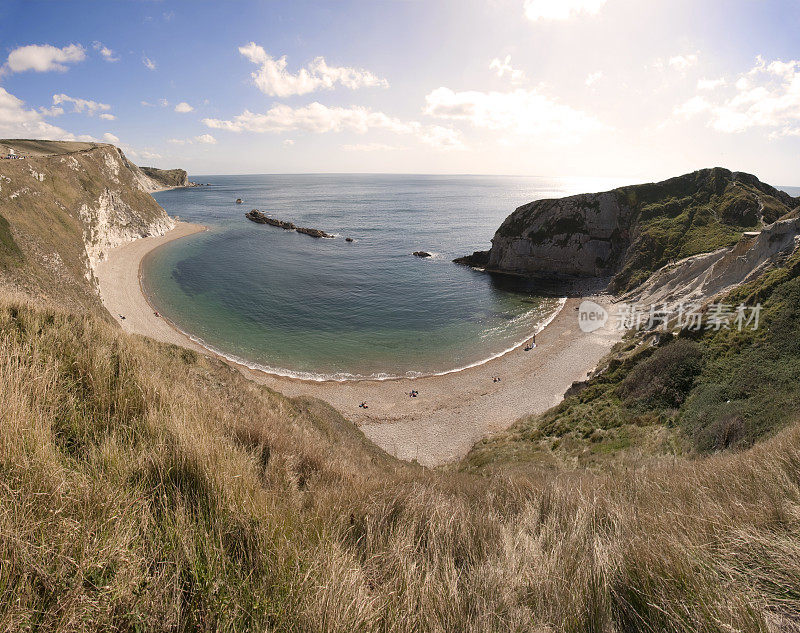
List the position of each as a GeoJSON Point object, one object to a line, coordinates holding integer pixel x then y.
{"type": "Point", "coordinates": [319, 308]}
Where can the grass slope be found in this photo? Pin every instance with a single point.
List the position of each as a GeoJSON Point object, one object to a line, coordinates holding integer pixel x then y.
{"type": "Point", "coordinates": [143, 487]}
{"type": "Point", "coordinates": [696, 213]}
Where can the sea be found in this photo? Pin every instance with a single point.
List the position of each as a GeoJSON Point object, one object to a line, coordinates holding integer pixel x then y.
{"type": "Point", "coordinates": [329, 309]}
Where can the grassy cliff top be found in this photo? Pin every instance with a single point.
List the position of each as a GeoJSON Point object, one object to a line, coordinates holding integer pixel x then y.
{"type": "Point", "coordinates": [51, 205]}
{"type": "Point", "coordinates": [33, 147]}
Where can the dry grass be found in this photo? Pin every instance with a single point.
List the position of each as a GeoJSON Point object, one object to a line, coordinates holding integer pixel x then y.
{"type": "Point", "coordinates": [145, 488]}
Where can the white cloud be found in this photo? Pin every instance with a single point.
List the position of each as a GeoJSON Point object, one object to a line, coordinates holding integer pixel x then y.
{"type": "Point", "coordinates": [320, 119]}
{"type": "Point", "coordinates": [82, 105]}
{"type": "Point", "coordinates": [273, 79]}
{"type": "Point", "coordinates": [108, 137]}
{"type": "Point", "coordinates": [149, 63]}
{"type": "Point", "coordinates": [503, 67]}
{"type": "Point", "coordinates": [288, 142]}
{"type": "Point", "coordinates": [593, 78]}
{"type": "Point", "coordinates": [370, 147]}
{"type": "Point", "coordinates": [183, 107]}
{"type": "Point", "coordinates": [147, 104]}
{"type": "Point", "coordinates": [682, 62]}
{"type": "Point", "coordinates": [163, 103]}
{"type": "Point", "coordinates": [561, 9]}
{"type": "Point", "coordinates": [204, 139]}
{"type": "Point", "coordinates": [43, 58]}
{"type": "Point", "coordinates": [767, 96]}
{"type": "Point", "coordinates": [145, 153]}
{"type": "Point", "coordinates": [18, 121]}
{"type": "Point", "coordinates": [107, 116]}
{"type": "Point", "coordinates": [521, 112]}
{"type": "Point", "coordinates": [711, 84]}
{"type": "Point", "coordinates": [106, 52]}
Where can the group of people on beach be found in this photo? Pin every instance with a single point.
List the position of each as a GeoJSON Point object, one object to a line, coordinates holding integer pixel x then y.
{"type": "Point", "coordinates": [414, 392]}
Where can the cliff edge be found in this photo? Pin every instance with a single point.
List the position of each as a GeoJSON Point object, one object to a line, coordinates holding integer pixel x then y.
{"type": "Point", "coordinates": [168, 178]}
{"type": "Point", "coordinates": [628, 233]}
{"type": "Point", "coordinates": [62, 206]}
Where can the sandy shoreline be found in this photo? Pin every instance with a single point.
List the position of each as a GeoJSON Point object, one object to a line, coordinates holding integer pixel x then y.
{"type": "Point", "coordinates": [453, 410]}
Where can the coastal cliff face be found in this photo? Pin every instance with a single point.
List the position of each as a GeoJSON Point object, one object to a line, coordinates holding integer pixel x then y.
{"type": "Point", "coordinates": [62, 208]}
{"type": "Point", "coordinates": [578, 235]}
{"type": "Point", "coordinates": [166, 178]}
{"type": "Point", "coordinates": [628, 233]}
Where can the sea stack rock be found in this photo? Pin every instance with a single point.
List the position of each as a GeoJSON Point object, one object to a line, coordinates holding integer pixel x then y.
{"type": "Point", "coordinates": [313, 232]}
{"type": "Point", "coordinates": [421, 254]}
{"type": "Point", "coordinates": [238, 201]}
{"type": "Point", "coordinates": [348, 239]}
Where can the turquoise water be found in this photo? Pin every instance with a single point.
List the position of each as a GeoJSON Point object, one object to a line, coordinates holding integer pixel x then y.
{"type": "Point", "coordinates": [328, 309]}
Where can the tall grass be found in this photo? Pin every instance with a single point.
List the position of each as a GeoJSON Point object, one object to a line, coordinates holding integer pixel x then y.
{"type": "Point", "coordinates": [143, 487]}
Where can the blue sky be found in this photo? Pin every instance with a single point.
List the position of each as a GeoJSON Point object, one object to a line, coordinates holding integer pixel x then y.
{"type": "Point", "coordinates": [613, 88]}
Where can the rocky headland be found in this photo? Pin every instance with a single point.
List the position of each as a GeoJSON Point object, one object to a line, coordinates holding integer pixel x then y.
{"type": "Point", "coordinates": [170, 178]}
{"type": "Point", "coordinates": [626, 235]}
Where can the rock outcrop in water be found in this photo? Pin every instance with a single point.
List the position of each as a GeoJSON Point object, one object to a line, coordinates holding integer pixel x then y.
{"type": "Point", "coordinates": [259, 218]}
{"type": "Point", "coordinates": [421, 254]}
{"type": "Point", "coordinates": [629, 233]}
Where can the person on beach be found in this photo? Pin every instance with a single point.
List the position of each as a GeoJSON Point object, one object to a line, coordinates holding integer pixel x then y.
{"type": "Point", "coordinates": [531, 345]}
{"type": "Point", "coordinates": [363, 405]}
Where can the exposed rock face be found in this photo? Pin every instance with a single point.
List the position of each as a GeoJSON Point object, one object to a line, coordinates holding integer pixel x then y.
{"type": "Point", "coordinates": [168, 177]}
{"type": "Point", "coordinates": [478, 259]}
{"type": "Point", "coordinates": [701, 277]}
{"type": "Point", "coordinates": [256, 216]}
{"type": "Point", "coordinates": [630, 232]}
{"type": "Point", "coordinates": [259, 218]}
{"type": "Point", "coordinates": [581, 235]}
{"type": "Point", "coordinates": [313, 232]}
{"type": "Point", "coordinates": [64, 206]}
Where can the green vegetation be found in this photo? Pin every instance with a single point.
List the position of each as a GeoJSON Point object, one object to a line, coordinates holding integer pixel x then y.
{"type": "Point", "coordinates": [692, 214]}
{"type": "Point", "coordinates": [691, 393]}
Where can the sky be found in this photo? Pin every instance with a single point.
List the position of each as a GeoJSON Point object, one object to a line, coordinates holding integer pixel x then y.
{"type": "Point", "coordinates": [627, 89]}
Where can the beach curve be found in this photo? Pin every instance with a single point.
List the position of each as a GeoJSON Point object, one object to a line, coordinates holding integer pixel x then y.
{"type": "Point", "coordinates": [453, 410]}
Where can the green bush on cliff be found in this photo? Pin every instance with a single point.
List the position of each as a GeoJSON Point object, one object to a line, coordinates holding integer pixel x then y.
{"type": "Point", "coordinates": [698, 392]}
